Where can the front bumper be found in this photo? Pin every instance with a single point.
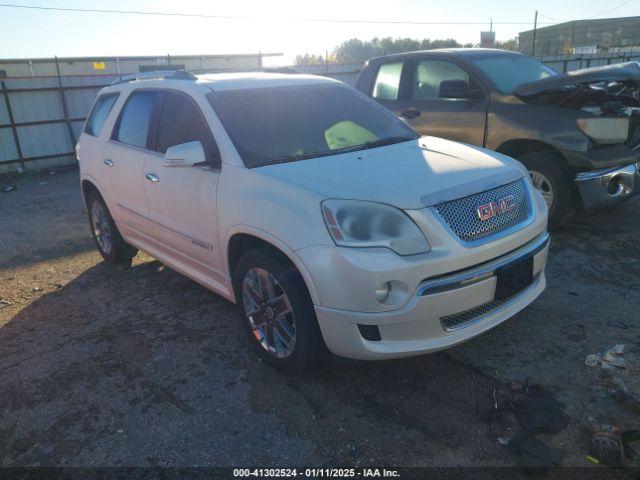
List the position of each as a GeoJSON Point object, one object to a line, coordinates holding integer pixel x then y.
{"type": "Point", "coordinates": [446, 310]}
{"type": "Point", "coordinates": [601, 188]}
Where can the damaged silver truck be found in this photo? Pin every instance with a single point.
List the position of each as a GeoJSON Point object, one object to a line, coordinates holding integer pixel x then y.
{"type": "Point", "coordinates": [577, 133]}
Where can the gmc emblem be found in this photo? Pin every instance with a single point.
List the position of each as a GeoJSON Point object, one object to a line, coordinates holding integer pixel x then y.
{"type": "Point", "coordinates": [493, 209]}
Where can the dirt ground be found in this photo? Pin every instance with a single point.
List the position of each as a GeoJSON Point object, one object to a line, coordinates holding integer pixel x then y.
{"type": "Point", "coordinates": [117, 366]}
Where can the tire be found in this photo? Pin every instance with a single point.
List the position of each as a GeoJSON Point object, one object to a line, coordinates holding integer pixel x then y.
{"type": "Point", "coordinates": [306, 350]}
{"type": "Point", "coordinates": [106, 236]}
{"type": "Point", "coordinates": [551, 178]}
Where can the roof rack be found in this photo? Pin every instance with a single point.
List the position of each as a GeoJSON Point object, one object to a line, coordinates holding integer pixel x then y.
{"type": "Point", "coordinates": [157, 75]}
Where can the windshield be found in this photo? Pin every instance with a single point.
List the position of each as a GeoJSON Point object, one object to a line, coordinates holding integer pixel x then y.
{"type": "Point", "coordinates": [282, 124]}
{"type": "Point", "coordinates": [509, 71]}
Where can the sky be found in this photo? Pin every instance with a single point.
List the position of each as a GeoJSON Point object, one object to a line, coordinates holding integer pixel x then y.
{"type": "Point", "coordinates": [268, 25]}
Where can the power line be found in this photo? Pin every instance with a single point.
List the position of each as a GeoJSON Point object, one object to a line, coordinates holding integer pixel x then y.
{"type": "Point", "coordinates": [588, 18]}
{"type": "Point", "coordinates": [614, 8]}
{"type": "Point", "coordinates": [246, 17]}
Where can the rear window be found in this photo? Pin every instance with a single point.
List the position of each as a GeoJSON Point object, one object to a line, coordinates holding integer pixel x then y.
{"type": "Point", "coordinates": [99, 113]}
{"type": "Point", "coordinates": [281, 124]}
{"type": "Point", "coordinates": [133, 126]}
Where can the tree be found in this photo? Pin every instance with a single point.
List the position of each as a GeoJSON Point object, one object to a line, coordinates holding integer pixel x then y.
{"type": "Point", "coordinates": [357, 51]}
{"type": "Point", "coordinates": [307, 59]}
{"type": "Point", "coordinates": [508, 44]}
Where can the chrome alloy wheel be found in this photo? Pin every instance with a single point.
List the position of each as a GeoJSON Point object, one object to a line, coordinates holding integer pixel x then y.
{"type": "Point", "coordinates": [269, 313]}
{"type": "Point", "coordinates": [101, 228]}
{"type": "Point", "coordinates": [543, 185]}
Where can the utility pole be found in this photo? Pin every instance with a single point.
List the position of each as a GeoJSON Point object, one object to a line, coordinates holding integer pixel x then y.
{"type": "Point", "coordinates": [490, 24]}
{"type": "Point", "coordinates": [535, 30]}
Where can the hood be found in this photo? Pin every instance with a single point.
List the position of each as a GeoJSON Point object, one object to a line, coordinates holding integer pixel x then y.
{"type": "Point", "coordinates": [409, 175]}
{"type": "Point", "coordinates": [621, 73]}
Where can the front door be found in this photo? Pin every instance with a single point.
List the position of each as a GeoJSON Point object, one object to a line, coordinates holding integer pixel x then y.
{"type": "Point", "coordinates": [182, 200]}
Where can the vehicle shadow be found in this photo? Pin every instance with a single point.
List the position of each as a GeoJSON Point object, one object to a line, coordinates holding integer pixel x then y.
{"type": "Point", "coordinates": [125, 356]}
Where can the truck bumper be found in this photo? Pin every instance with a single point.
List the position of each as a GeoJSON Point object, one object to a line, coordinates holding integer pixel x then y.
{"type": "Point", "coordinates": [445, 310]}
{"type": "Point", "coordinates": [601, 188]}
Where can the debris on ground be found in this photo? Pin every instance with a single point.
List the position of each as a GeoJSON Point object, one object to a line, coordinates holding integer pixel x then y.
{"type": "Point", "coordinates": [625, 396]}
{"type": "Point", "coordinates": [609, 359]}
{"type": "Point", "coordinates": [531, 410]}
{"type": "Point", "coordinates": [533, 454]}
{"type": "Point", "coordinates": [538, 411]}
{"type": "Point", "coordinates": [606, 446]}
{"type": "Point", "coordinates": [4, 303]}
{"type": "Point", "coordinates": [43, 183]}
{"type": "Point", "coordinates": [8, 188]}
{"type": "Point", "coordinates": [612, 447]}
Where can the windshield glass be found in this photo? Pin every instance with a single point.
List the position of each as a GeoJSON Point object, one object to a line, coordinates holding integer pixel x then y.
{"type": "Point", "coordinates": [282, 124]}
{"type": "Point", "coordinates": [509, 71]}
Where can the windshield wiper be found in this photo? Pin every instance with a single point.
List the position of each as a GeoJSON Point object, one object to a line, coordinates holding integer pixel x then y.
{"type": "Point", "coordinates": [387, 141]}
{"type": "Point", "coordinates": [304, 156]}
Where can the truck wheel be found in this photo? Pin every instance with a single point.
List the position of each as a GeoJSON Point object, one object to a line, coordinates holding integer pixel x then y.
{"type": "Point", "coordinates": [108, 240]}
{"type": "Point", "coordinates": [278, 312]}
{"type": "Point", "coordinates": [551, 179]}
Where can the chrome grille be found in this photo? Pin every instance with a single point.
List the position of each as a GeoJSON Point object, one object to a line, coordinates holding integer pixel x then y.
{"type": "Point", "coordinates": [473, 315]}
{"type": "Point", "coordinates": [461, 214]}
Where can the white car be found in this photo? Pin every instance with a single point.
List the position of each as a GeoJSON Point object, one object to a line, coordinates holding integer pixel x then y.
{"type": "Point", "coordinates": [330, 221]}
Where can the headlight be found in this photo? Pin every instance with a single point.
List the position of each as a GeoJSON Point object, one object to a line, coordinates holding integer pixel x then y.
{"type": "Point", "coordinates": [354, 223]}
{"type": "Point", "coordinates": [605, 130]}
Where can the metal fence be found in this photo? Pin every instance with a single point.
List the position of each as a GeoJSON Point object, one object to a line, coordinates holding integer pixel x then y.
{"type": "Point", "coordinates": [567, 63]}
{"type": "Point", "coordinates": [41, 118]}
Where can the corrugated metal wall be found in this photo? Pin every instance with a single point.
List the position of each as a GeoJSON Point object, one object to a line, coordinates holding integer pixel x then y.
{"type": "Point", "coordinates": [45, 136]}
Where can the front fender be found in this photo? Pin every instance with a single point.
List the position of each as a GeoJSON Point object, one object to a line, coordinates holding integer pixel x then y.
{"type": "Point", "coordinates": [276, 242]}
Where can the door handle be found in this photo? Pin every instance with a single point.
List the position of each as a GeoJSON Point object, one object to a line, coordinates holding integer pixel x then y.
{"type": "Point", "coordinates": [152, 177]}
{"type": "Point", "coordinates": [410, 113]}
{"type": "Point", "coordinates": [108, 163]}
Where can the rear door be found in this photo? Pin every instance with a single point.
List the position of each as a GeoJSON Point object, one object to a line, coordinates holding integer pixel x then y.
{"type": "Point", "coordinates": [125, 155]}
{"type": "Point", "coordinates": [182, 200]}
{"type": "Point", "coordinates": [411, 88]}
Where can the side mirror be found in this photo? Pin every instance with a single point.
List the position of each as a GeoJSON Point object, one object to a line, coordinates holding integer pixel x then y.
{"type": "Point", "coordinates": [457, 89]}
{"type": "Point", "coordinates": [184, 155]}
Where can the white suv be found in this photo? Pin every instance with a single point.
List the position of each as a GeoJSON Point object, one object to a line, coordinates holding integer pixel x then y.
{"type": "Point", "coordinates": [331, 222]}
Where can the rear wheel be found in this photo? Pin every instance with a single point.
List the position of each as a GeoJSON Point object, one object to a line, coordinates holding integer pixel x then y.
{"type": "Point", "coordinates": [550, 177]}
{"type": "Point", "coordinates": [278, 312]}
{"type": "Point", "coordinates": [107, 238]}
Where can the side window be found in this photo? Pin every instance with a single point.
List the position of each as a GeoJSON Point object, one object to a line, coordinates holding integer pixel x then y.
{"type": "Point", "coordinates": [99, 113]}
{"type": "Point", "coordinates": [387, 83]}
{"type": "Point", "coordinates": [180, 122]}
{"type": "Point", "coordinates": [429, 74]}
{"type": "Point", "coordinates": [133, 125]}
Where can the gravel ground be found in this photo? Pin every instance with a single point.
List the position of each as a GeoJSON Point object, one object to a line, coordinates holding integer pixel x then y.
{"type": "Point", "coordinates": [116, 366]}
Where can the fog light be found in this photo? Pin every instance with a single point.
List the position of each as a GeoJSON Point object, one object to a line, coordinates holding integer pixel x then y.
{"type": "Point", "coordinates": [383, 291]}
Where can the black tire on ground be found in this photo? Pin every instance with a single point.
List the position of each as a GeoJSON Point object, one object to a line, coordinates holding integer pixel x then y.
{"type": "Point", "coordinates": [120, 251]}
{"type": "Point", "coordinates": [565, 196]}
{"type": "Point", "coordinates": [309, 350]}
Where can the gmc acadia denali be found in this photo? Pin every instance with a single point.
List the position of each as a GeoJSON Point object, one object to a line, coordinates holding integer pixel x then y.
{"type": "Point", "coordinates": [326, 218]}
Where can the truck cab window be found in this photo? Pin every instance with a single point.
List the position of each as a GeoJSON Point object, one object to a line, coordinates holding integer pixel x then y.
{"type": "Point", "coordinates": [429, 74]}
{"type": "Point", "coordinates": [387, 83]}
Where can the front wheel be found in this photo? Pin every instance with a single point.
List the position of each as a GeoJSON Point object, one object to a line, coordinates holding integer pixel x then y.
{"type": "Point", "coordinates": [550, 178]}
{"type": "Point", "coordinates": [279, 317]}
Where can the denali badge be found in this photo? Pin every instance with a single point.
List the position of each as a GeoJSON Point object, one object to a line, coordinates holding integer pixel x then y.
{"type": "Point", "coordinates": [492, 209]}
